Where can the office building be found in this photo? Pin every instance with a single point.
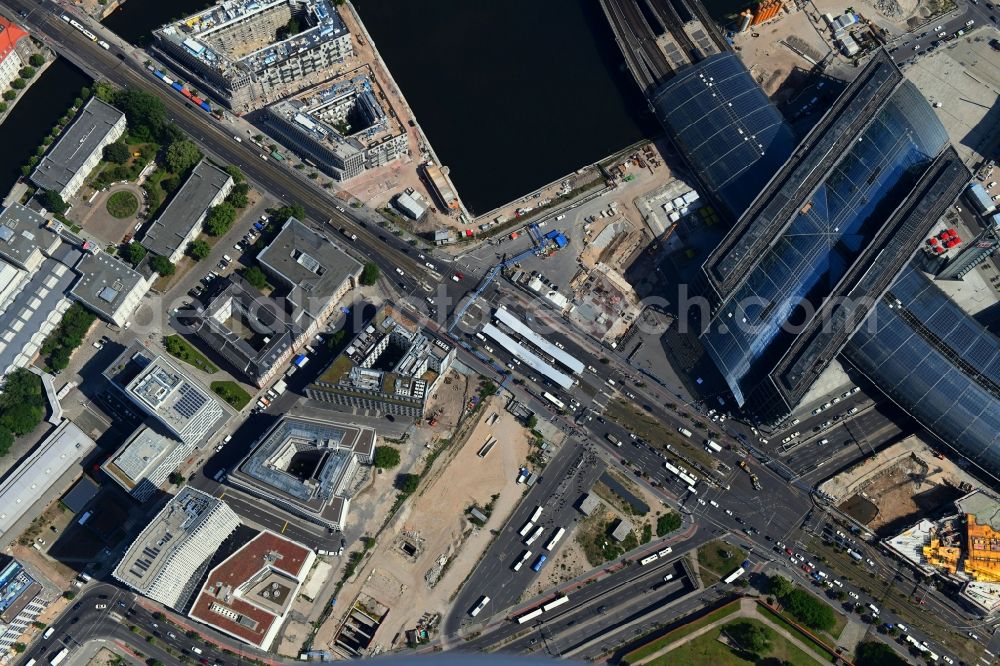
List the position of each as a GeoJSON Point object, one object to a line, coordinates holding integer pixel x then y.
{"type": "Point", "coordinates": [170, 555]}
{"type": "Point", "coordinates": [108, 286]}
{"type": "Point", "coordinates": [59, 453]}
{"type": "Point", "coordinates": [144, 462]}
{"type": "Point", "coordinates": [176, 402]}
{"type": "Point", "coordinates": [342, 125]}
{"type": "Point", "coordinates": [803, 266]}
{"type": "Point", "coordinates": [250, 593]}
{"type": "Point", "coordinates": [79, 149]}
{"type": "Point", "coordinates": [937, 363]}
{"type": "Point", "coordinates": [248, 330]}
{"type": "Point", "coordinates": [307, 467]}
{"type": "Point", "coordinates": [25, 239]}
{"type": "Point", "coordinates": [246, 53]}
{"type": "Point", "coordinates": [314, 273]}
{"type": "Point", "coordinates": [725, 127]}
{"type": "Point", "coordinates": [391, 367]}
{"type": "Point", "coordinates": [14, 52]}
{"type": "Point", "coordinates": [22, 599]}
{"type": "Point", "coordinates": [181, 220]}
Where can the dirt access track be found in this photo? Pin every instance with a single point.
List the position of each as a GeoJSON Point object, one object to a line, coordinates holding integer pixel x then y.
{"type": "Point", "coordinates": [430, 547]}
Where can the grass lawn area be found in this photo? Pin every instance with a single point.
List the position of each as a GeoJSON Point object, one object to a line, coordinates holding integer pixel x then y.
{"type": "Point", "coordinates": [781, 621]}
{"type": "Point", "coordinates": [680, 632]}
{"type": "Point", "coordinates": [180, 348]}
{"type": "Point", "coordinates": [122, 204]}
{"type": "Point", "coordinates": [714, 565]}
{"type": "Point", "coordinates": [708, 651]}
{"type": "Point", "coordinates": [232, 393]}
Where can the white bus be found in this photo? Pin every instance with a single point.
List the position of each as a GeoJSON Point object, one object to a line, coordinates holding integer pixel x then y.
{"type": "Point", "coordinates": [554, 400]}
{"type": "Point", "coordinates": [31, 662]}
{"type": "Point", "coordinates": [536, 515]}
{"type": "Point", "coordinates": [712, 447]}
{"type": "Point", "coordinates": [689, 480]}
{"type": "Point", "coordinates": [59, 657]}
{"type": "Point", "coordinates": [555, 538]}
{"type": "Point", "coordinates": [527, 528]}
{"type": "Point", "coordinates": [649, 559]}
{"type": "Point", "coordinates": [733, 576]}
{"type": "Point", "coordinates": [48, 632]}
{"type": "Point", "coordinates": [480, 606]}
{"type": "Point", "coordinates": [520, 562]}
{"type": "Point", "coordinates": [555, 603]}
{"type": "Point", "coordinates": [670, 468]}
{"type": "Point", "coordinates": [665, 552]}
{"type": "Point", "coordinates": [528, 617]}
{"type": "Point", "coordinates": [534, 535]}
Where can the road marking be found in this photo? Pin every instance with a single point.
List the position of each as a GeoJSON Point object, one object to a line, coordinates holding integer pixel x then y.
{"type": "Point", "coordinates": [223, 494]}
{"type": "Point", "coordinates": [284, 527]}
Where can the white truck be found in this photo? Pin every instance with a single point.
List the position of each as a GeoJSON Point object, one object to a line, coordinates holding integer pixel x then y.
{"type": "Point", "coordinates": [685, 432]}
{"type": "Point", "coordinates": [279, 387]}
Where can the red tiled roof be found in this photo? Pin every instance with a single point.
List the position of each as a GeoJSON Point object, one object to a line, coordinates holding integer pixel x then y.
{"type": "Point", "coordinates": [10, 35]}
{"type": "Point", "coordinates": [237, 570]}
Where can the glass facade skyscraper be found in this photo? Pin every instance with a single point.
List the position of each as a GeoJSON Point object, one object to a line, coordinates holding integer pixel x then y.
{"type": "Point", "coordinates": [817, 218]}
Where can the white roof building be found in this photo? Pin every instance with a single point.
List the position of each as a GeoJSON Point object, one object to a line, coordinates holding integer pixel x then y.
{"type": "Point", "coordinates": [27, 483]}
{"type": "Point", "coordinates": [167, 559]}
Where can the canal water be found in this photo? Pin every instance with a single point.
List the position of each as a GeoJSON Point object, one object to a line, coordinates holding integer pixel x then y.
{"type": "Point", "coordinates": [135, 20]}
{"type": "Point", "coordinates": [34, 116]}
{"type": "Point", "coordinates": [512, 94]}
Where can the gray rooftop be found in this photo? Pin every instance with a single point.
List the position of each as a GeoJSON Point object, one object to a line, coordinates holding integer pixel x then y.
{"type": "Point", "coordinates": [170, 229]}
{"type": "Point", "coordinates": [310, 264]}
{"type": "Point", "coordinates": [262, 336]}
{"type": "Point", "coordinates": [22, 232]}
{"type": "Point", "coordinates": [274, 464]}
{"type": "Point", "coordinates": [105, 282]}
{"type": "Point", "coordinates": [76, 145]}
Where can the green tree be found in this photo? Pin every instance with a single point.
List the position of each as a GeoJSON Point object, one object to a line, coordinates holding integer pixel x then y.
{"type": "Point", "coordinates": [6, 440]}
{"type": "Point", "coordinates": [239, 196]}
{"type": "Point", "coordinates": [532, 422]}
{"type": "Point", "coordinates": [117, 153]}
{"type": "Point", "coordinates": [144, 112]}
{"type": "Point", "coordinates": [369, 274]}
{"type": "Point", "coordinates": [162, 265]}
{"type": "Point", "coordinates": [176, 478]}
{"type": "Point", "coordinates": [779, 586]}
{"type": "Point", "coordinates": [667, 523]}
{"type": "Point", "coordinates": [877, 653]}
{"type": "Point", "coordinates": [36, 60]}
{"type": "Point", "coordinates": [53, 202]}
{"type": "Point", "coordinates": [235, 173]}
{"type": "Point", "coordinates": [198, 249]}
{"type": "Point", "coordinates": [386, 457]}
{"type": "Point", "coordinates": [27, 72]}
{"type": "Point", "coordinates": [4, 107]}
{"type": "Point", "coordinates": [135, 253]}
{"type": "Point", "coordinates": [407, 483]}
{"type": "Point", "coordinates": [69, 594]}
{"type": "Point", "coordinates": [21, 418]}
{"type": "Point", "coordinates": [18, 84]}
{"type": "Point", "coordinates": [182, 155]}
{"type": "Point", "coordinates": [9, 95]}
{"type": "Point", "coordinates": [292, 210]}
{"type": "Point", "coordinates": [19, 647]}
{"type": "Point", "coordinates": [254, 276]}
{"type": "Point", "coordinates": [749, 636]}
{"type": "Point", "coordinates": [219, 219]}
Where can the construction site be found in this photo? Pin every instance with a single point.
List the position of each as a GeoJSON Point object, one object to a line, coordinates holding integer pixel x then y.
{"type": "Point", "coordinates": [433, 542]}
{"type": "Point", "coordinates": [897, 485]}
